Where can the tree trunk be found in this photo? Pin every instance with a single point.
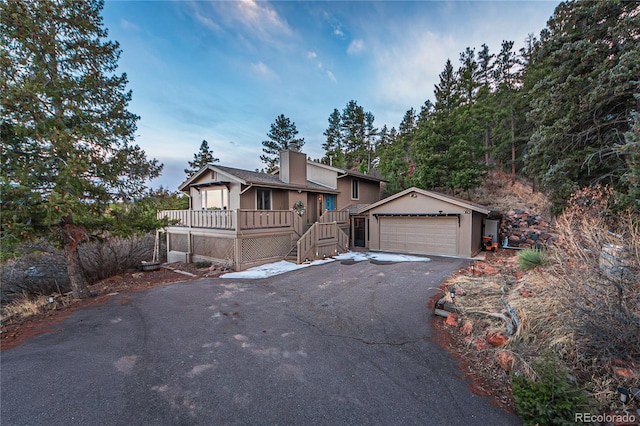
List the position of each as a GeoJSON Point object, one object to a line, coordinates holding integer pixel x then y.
{"type": "Point", "coordinates": [72, 236]}
{"type": "Point", "coordinates": [486, 145]}
{"type": "Point", "coordinates": [513, 149]}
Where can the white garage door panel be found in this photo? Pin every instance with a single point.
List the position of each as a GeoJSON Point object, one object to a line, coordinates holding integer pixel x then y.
{"type": "Point", "coordinates": [429, 235]}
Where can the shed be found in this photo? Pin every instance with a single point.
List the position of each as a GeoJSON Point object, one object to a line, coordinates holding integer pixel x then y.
{"type": "Point", "coordinates": [424, 222]}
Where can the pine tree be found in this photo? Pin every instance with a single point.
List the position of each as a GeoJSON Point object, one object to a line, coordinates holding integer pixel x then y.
{"type": "Point", "coordinates": [282, 136]}
{"type": "Point", "coordinates": [485, 66]}
{"type": "Point", "coordinates": [67, 135]}
{"type": "Point", "coordinates": [371, 140]}
{"type": "Point", "coordinates": [333, 146]}
{"type": "Point", "coordinates": [203, 157]}
{"type": "Point", "coordinates": [509, 109]}
{"type": "Point", "coordinates": [468, 74]}
{"type": "Point", "coordinates": [353, 131]}
{"type": "Point", "coordinates": [447, 147]}
{"type": "Point", "coordinates": [583, 86]}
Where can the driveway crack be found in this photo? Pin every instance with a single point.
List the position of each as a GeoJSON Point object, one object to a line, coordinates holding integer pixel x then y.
{"type": "Point", "coordinates": [359, 339]}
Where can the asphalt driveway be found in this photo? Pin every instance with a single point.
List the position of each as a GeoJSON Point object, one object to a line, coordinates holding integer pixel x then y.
{"type": "Point", "coordinates": [332, 344]}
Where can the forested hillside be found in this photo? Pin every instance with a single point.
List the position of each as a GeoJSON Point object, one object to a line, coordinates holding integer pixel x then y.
{"type": "Point", "coordinates": [562, 112]}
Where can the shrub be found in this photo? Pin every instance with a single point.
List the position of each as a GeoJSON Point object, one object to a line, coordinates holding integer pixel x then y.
{"type": "Point", "coordinates": [602, 308]}
{"type": "Point", "coordinates": [41, 269]}
{"type": "Point", "coordinates": [530, 258]}
{"type": "Point", "coordinates": [549, 399]}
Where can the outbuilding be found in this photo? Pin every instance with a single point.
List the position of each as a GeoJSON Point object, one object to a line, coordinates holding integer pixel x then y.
{"type": "Point", "coordinates": [423, 222]}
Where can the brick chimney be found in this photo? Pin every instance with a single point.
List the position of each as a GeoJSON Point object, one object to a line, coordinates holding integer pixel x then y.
{"type": "Point", "coordinates": [293, 167]}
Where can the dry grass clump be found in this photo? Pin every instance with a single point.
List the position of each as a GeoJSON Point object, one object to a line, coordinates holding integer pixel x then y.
{"type": "Point", "coordinates": [586, 302]}
{"type": "Point", "coordinates": [596, 263]}
{"type": "Point", "coordinates": [581, 305]}
{"type": "Point", "coordinates": [595, 272]}
{"type": "Point", "coordinates": [26, 306]}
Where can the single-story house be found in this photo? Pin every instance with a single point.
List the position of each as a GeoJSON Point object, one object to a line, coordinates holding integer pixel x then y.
{"type": "Point", "coordinates": [421, 222]}
{"type": "Point", "coordinates": [248, 218]}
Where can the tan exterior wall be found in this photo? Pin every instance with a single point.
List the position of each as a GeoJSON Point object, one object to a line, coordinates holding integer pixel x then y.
{"type": "Point", "coordinates": [476, 234]}
{"type": "Point", "coordinates": [322, 176]}
{"type": "Point", "coordinates": [248, 199]}
{"type": "Point", "coordinates": [293, 167]}
{"type": "Point", "coordinates": [369, 192]}
{"type": "Point", "coordinates": [279, 200]}
{"type": "Point", "coordinates": [467, 243]}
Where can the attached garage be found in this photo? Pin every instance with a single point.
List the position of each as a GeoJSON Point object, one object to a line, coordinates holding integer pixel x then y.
{"type": "Point", "coordinates": [423, 222]}
{"type": "Point", "coordinates": [410, 234]}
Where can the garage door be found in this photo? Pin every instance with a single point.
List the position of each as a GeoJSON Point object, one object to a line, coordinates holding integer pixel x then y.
{"type": "Point", "coordinates": [425, 235]}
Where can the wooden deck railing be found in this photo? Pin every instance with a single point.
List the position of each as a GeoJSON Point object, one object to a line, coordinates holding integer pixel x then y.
{"type": "Point", "coordinates": [339, 216]}
{"type": "Point", "coordinates": [260, 219]}
{"type": "Point", "coordinates": [229, 219]}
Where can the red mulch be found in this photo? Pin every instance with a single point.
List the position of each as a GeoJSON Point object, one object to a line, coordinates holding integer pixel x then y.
{"type": "Point", "coordinates": [486, 377]}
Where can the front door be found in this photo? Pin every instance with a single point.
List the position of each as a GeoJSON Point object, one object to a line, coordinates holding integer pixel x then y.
{"type": "Point", "coordinates": [329, 202]}
{"type": "Point", "coordinates": [359, 231]}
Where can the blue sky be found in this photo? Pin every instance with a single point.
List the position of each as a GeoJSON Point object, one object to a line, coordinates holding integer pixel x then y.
{"type": "Point", "coordinates": [224, 70]}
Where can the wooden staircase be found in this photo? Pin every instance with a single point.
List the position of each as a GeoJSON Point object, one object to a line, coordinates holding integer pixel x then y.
{"type": "Point", "coordinates": [293, 254]}
{"type": "Point", "coordinates": [320, 240]}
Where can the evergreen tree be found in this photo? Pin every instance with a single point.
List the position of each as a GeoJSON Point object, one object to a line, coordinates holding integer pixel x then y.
{"type": "Point", "coordinates": [447, 148]}
{"type": "Point", "coordinates": [67, 147]}
{"type": "Point", "coordinates": [446, 93]}
{"type": "Point", "coordinates": [394, 163]}
{"type": "Point", "coordinates": [485, 66]}
{"type": "Point", "coordinates": [333, 145]}
{"type": "Point", "coordinates": [468, 74]}
{"type": "Point", "coordinates": [395, 160]}
{"type": "Point", "coordinates": [426, 111]}
{"type": "Point", "coordinates": [203, 157]}
{"type": "Point", "coordinates": [583, 85]}
{"type": "Point", "coordinates": [509, 109]}
{"type": "Point", "coordinates": [282, 136]}
{"type": "Point", "coordinates": [371, 141]}
{"type": "Point", "coordinates": [353, 131]}
{"type": "Point", "coordinates": [408, 123]}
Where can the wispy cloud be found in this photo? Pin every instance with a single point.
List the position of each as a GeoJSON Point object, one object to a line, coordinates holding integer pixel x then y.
{"type": "Point", "coordinates": [355, 47]}
{"type": "Point", "coordinates": [261, 69]}
{"type": "Point", "coordinates": [313, 56]}
{"type": "Point", "coordinates": [128, 25]}
{"type": "Point", "coordinates": [206, 21]}
{"type": "Point", "coordinates": [247, 19]}
{"type": "Point", "coordinates": [407, 69]}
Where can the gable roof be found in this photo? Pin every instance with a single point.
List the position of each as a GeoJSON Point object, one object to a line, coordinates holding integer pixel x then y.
{"type": "Point", "coordinates": [447, 198]}
{"type": "Point", "coordinates": [247, 177]}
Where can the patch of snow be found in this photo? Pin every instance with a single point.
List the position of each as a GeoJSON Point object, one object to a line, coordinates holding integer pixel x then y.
{"type": "Point", "coordinates": [381, 257]}
{"type": "Point", "coordinates": [277, 268]}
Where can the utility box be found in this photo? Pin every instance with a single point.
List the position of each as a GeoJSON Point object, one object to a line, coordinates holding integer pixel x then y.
{"type": "Point", "coordinates": [491, 227]}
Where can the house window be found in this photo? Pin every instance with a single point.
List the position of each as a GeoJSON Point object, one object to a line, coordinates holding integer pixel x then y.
{"type": "Point", "coordinates": [215, 199]}
{"type": "Point", "coordinates": [263, 199]}
{"type": "Point", "coordinates": [355, 189]}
